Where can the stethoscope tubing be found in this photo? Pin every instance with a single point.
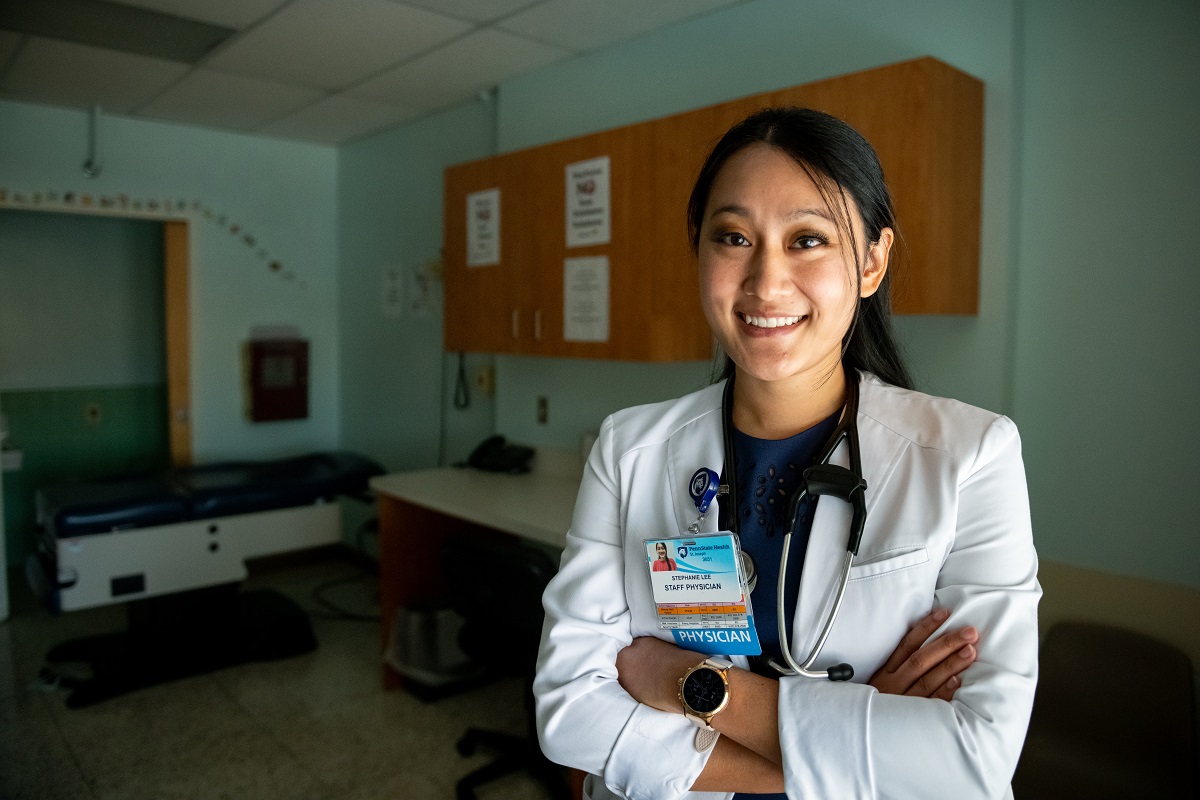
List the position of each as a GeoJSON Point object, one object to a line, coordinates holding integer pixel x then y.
{"type": "Point", "coordinates": [847, 428]}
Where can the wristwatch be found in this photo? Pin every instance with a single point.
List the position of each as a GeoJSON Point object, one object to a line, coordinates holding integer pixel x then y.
{"type": "Point", "coordinates": [704, 690]}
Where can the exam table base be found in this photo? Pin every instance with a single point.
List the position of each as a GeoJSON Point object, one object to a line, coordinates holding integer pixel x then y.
{"type": "Point", "coordinates": [178, 636]}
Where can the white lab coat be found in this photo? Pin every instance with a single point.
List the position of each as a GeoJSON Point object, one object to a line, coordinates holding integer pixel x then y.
{"type": "Point", "coordinates": [947, 525]}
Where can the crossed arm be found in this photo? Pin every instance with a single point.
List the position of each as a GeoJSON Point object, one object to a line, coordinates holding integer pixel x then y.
{"type": "Point", "coordinates": [747, 756]}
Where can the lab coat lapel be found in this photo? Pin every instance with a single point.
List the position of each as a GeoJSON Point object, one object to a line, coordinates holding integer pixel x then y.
{"type": "Point", "coordinates": [831, 526]}
{"type": "Point", "coordinates": [695, 445]}
{"type": "Point", "coordinates": [822, 565]}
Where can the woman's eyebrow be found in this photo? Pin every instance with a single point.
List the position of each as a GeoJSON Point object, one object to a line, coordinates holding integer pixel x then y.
{"type": "Point", "coordinates": [794, 214]}
{"type": "Point", "coordinates": [823, 213]}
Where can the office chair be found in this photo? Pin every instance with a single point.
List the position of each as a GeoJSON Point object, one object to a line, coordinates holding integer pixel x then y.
{"type": "Point", "coordinates": [1113, 718]}
{"type": "Point", "coordinates": [498, 591]}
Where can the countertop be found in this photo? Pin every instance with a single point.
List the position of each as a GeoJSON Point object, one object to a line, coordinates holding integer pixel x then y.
{"type": "Point", "coordinates": [537, 505]}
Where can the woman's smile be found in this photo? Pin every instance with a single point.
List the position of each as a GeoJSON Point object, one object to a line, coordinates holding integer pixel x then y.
{"type": "Point", "coordinates": [767, 325]}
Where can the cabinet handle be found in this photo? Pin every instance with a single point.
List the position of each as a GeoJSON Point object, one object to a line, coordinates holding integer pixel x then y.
{"type": "Point", "coordinates": [537, 324]}
{"type": "Point", "coordinates": [516, 323]}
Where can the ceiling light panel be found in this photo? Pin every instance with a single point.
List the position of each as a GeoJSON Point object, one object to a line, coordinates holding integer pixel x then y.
{"type": "Point", "coordinates": [77, 75]}
{"type": "Point", "coordinates": [114, 26]}
{"type": "Point", "coordinates": [237, 14]}
{"type": "Point", "coordinates": [477, 10]}
{"type": "Point", "coordinates": [456, 72]}
{"type": "Point", "coordinates": [331, 44]}
{"type": "Point", "coordinates": [338, 119]}
{"type": "Point", "coordinates": [206, 97]}
{"type": "Point", "coordinates": [588, 24]}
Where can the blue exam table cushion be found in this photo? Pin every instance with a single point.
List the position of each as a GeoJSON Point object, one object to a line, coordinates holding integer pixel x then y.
{"type": "Point", "coordinates": [192, 493]}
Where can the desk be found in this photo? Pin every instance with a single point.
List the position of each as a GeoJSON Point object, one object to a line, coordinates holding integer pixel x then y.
{"type": "Point", "coordinates": [419, 510]}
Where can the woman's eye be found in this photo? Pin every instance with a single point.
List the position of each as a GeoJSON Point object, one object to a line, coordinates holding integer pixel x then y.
{"type": "Point", "coordinates": [809, 242]}
{"type": "Point", "coordinates": [734, 239]}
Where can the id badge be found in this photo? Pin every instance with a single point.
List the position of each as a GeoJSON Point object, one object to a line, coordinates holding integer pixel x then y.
{"type": "Point", "coordinates": [700, 593]}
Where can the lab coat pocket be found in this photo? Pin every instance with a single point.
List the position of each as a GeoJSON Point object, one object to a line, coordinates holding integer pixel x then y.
{"type": "Point", "coordinates": [889, 561]}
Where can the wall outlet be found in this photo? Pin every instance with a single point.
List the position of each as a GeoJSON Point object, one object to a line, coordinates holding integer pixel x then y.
{"type": "Point", "coordinates": [485, 380]}
{"type": "Point", "coordinates": [543, 410]}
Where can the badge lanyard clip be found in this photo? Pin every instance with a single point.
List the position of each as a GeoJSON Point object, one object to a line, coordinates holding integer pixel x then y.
{"type": "Point", "coordinates": [703, 489]}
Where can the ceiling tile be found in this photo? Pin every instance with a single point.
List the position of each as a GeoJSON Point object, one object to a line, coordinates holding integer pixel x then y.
{"type": "Point", "coordinates": [589, 24]}
{"type": "Point", "coordinates": [477, 10]}
{"type": "Point", "coordinates": [229, 13]}
{"type": "Point", "coordinates": [64, 73]}
{"type": "Point", "coordinates": [454, 73]}
{"type": "Point", "coordinates": [337, 119]}
{"type": "Point", "coordinates": [331, 44]}
{"type": "Point", "coordinates": [207, 97]}
{"type": "Point", "coordinates": [9, 42]}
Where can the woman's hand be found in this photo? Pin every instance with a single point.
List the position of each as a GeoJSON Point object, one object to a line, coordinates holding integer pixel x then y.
{"type": "Point", "coordinates": [650, 669]}
{"type": "Point", "coordinates": [929, 670]}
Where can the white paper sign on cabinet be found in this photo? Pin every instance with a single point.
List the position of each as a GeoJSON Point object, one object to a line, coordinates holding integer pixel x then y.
{"type": "Point", "coordinates": [588, 207]}
{"type": "Point", "coordinates": [483, 228]}
{"type": "Point", "coordinates": [585, 299]}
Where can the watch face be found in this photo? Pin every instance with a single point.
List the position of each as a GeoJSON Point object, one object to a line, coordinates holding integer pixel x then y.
{"type": "Point", "coordinates": [704, 690]}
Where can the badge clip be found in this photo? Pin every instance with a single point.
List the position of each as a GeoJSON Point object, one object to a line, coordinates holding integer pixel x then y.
{"type": "Point", "coordinates": [703, 489]}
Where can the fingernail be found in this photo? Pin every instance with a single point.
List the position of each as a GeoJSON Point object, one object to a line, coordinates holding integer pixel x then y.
{"type": "Point", "coordinates": [969, 634]}
{"type": "Point", "coordinates": [941, 614]}
{"type": "Point", "coordinates": [967, 652]}
{"type": "Point", "coordinates": [953, 682]}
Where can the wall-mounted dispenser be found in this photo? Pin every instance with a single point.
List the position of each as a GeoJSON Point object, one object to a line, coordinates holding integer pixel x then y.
{"type": "Point", "coordinates": [275, 374]}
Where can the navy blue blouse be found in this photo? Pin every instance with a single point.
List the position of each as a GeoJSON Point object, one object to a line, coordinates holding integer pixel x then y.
{"type": "Point", "coordinates": [768, 473]}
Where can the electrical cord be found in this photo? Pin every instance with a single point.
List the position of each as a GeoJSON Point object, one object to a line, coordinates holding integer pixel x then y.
{"type": "Point", "coordinates": [462, 394]}
{"type": "Point", "coordinates": [331, 610]}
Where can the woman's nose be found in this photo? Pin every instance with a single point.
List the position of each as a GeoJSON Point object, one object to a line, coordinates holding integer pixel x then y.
{"type": "Point", "coordinates": [769, 276]}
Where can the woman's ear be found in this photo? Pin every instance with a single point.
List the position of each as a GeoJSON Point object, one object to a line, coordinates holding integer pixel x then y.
{"type": "Point", "coordinates": [876, 263]}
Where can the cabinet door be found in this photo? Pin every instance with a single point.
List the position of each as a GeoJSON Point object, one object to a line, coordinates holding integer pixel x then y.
{"type": "Point", "coordinates": [477, 299]}
{"type": "Point", "coordinates": [522, 175]}
{"type": "Point", "coordinates": [653, 304]}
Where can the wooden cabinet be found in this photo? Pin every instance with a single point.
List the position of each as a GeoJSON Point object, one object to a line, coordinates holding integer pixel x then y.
{"type": "Point", "coordinates": [924, 118]}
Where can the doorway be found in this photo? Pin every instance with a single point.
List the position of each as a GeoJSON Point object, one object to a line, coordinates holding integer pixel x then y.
{"type": "Point", "coordinates": [94, 353]}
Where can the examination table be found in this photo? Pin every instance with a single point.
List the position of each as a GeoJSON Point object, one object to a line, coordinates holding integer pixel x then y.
{"type": "Point", "coordinates": [173, 547]}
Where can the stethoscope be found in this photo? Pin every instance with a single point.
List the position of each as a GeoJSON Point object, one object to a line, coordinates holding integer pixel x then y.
{"type": "Point", "coordinates": [821, 479]}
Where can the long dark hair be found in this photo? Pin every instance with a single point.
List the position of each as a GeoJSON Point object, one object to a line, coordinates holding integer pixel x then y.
{"type": "Point", "coordinates": [840, 162]}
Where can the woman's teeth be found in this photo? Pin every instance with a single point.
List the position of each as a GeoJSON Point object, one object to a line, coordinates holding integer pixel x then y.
{"type": "Point", "coordinates": [769, 322]}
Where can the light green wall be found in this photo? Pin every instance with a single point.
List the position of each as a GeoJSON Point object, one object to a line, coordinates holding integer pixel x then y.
{"type": "Point", "coordinates": [283, 194]}
{"type": "Point", "coordinates": [81, 301]}
{"type": "Point", "coordinates": [397, 384]}
{"type": "Point", "coordinates": [1107, 375]}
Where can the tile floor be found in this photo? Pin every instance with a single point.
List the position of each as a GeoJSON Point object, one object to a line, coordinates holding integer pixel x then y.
{"type": "Point", "coordinates": [313, 726]}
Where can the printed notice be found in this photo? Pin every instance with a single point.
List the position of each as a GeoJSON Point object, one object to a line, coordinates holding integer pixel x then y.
{"type": "Point", "coordinates": [483, 228]}
{"type": "Point", "coordinates": [585, 299]}
{"type": "Point", "coordinates": [588, 218]}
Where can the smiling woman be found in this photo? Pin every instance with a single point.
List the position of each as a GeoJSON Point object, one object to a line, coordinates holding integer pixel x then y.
{"type": "Point", "coordinates": [780, 281]}
{"type": "Point", "coordinates": [932, 595]}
